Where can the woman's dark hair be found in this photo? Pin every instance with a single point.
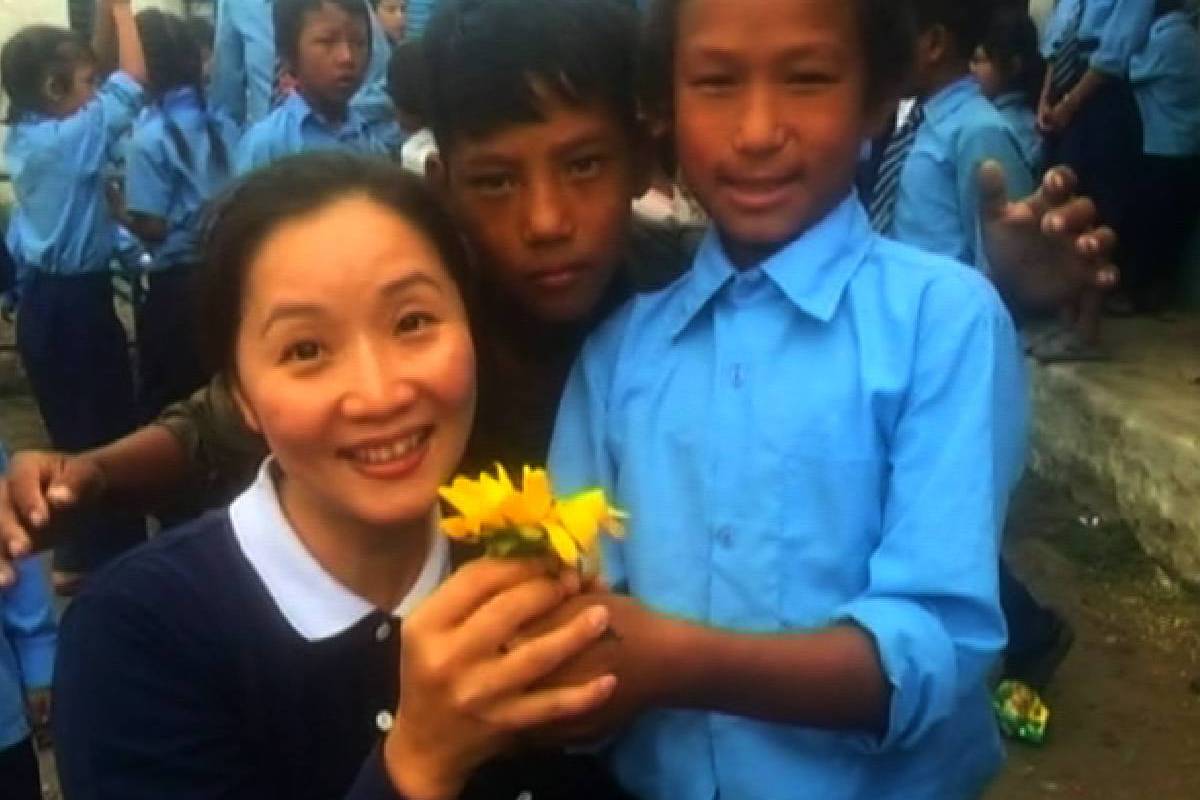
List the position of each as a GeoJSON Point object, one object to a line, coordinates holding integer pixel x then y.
{"type": "Point", "coordinates": [886, 27]}
{"type": "Point", "coordinates": [33, 56]}
{"type": "Point", "coordinates": [174, 60]}
{"type": "Point", "coordinates": [406, 83]}
{"type": "Point", "coordinates": [238, 223]}
{"type": "Point", "coordinates": [487, 60]}
{"type": "Point", "coordinates": [289, 21]}
{"type": "Point", "coordinates": [1011, 44]}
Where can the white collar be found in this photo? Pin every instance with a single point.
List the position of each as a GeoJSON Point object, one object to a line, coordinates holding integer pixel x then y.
{"type": "Point", "coordinates": [310, 599]}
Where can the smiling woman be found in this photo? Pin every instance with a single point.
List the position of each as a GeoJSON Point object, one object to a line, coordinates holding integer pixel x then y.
{"type": "Point", "coordinates": [335, 301]}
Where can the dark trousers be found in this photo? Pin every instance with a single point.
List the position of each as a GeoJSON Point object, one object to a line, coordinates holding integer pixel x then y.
{"type": "Point", "coordinates": [20, 778]}
{"type": "Point", "coordinates": [1103, 144]}
{"type": "Point", "coordinates": [168, 366]}
{"type": "Point", "coordinates": [1168, 204]}
{"type": "Point", "coordinates": [75, 354]}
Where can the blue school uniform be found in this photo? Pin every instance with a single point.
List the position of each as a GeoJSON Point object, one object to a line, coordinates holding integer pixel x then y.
{"type": "Point", "coordinates": [162, 183]}
{"type": "Point", "coordinates": [1060, 24]}
{"type": "Point", "coordinates": [937, 205]}
{"type": "Point", "coordinates": [1165, 75]}
{"type": "Point", "coordinates": [71, 343]}
{"type": "Point", "coordinates": [1023, 120]}
{"type": "Point", "coordinates": [243, 75]}
{"type": "Point", "coordinates": [831, 436]}
{"type": "Point", "coordinates": [1116, 29]}
{"type": "Point", "coordinates": [295, 127]}
{"type": "Point", "coordinates": [419, 13]}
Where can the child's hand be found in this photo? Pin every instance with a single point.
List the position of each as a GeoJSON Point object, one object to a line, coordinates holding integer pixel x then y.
{"type": "Point", "coordinates": [40, 489]}
{"type": "Point", "coordinates": [1062, 114]}
{"type": "Point", "coordinates": [626, 651]}
{"type": "Point", "coordinates": [466, 683]}
{"type": "Point", "coordinates": [39, 703]}
{"type": "Point", "coordinates": [1045, 121]}
{"type": "Point", "coordinates": [1048, 248]}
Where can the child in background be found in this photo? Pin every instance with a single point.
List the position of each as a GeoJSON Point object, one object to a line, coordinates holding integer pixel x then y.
{"type": "Point", "coordinates": [63, 124]}
{"type": "Point", "coordinates": [325, 45]}
{"type": "Point", "coordinates": [408, 89]}
{"type": "Point", "coordinates": [790, 426]}
{"type": "Point", "coordinates": [27, 643]}
{"type": "Point", "coordinates": [1010, 71]}
{"type": "Point", "coordinates": [927, 190]}
{"type": "Point", "coordinates": [181, 155]}
{"type": "Point", "coordinates": [203, 34]}
{"type": "Point", "coordinates": [1166, 84]}
{"type": "Point", "coordinates": [393, 19]}
{"type": "Point", "coordinates": [244, 68]}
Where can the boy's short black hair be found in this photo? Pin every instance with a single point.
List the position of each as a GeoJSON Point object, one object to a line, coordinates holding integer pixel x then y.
{"type": "Point", "coordinates": [289, 21]}
{"type": "Point", "coordinates": [487, 59]}
{"type": "Point", "coordinates": [406, 81]}
{"type": "Point", "coordinates": [887, 29]}
{"type": "Point", "coordinates": [32, 56]}
{"type": "Point", "coordinates": [967, 21]}
{"type": "Point", "coordinates": [202, 32]}
{"type": "Point", "coordinates": [1011, 40]}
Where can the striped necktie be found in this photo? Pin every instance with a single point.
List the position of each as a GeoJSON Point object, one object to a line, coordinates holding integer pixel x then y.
{"type": "Point", "coordinates": [887, 180]}
{"type": "Point", "coordinates": [1068, 64]}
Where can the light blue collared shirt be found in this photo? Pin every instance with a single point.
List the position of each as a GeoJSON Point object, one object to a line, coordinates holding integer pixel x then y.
{"type": "Point", "coordinates": [28, 636]}
{"type": "Point", "coordinates": [419, 12]}
{"type": "Point", "coordinates": [62, 224]}
{"type": "Point", "coordinates": [830, 436]}
{"type": "Point", "coordinates": [294, 127]}
{"type": "Point", "coordinates": [1023, 120]}
{"type": "Point", "coordinates": [1166, 82]}
{"type": "Point", "coordinates": [1119, 28]}
{"type": "Point", "coordinates": [244, 64]}
{"type": "Point", "coordinates": [937, 204]}
{"type": "Point", "coordinates": [160, 183]}
{"type": "Point", "coordinates": [1061, 20]}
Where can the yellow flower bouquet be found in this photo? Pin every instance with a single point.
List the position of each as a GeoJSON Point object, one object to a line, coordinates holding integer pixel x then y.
{"type": "Point", "coordinates": [529, 520]}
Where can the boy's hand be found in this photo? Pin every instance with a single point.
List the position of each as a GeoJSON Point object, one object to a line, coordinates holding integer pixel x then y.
{"type": "Point", "coordinates": [1046, 249]}
{"type": "Point", "coordinates": [626, 651]}
{"type": "Point", "coordinates": [41, 487]}
{"type": "Point", "coordinates": [468, 688]}
{"type": "Point", "coordinates": [39, 703]}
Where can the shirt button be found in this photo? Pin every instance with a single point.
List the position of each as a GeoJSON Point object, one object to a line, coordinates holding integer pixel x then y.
{"type": "Point", "coordinates": [383, 631]}
{"type": "Point", "coordinates": [384, 721]}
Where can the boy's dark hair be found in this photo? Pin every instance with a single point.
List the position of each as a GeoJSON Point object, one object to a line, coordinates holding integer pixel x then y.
{"type": "Point", "coordinates": [243, 218]}
{"type": "Point", "coordinates": [174, 60]}
{"type": "Point", "coordinates": [289, 21]}
{"type": "Point", "coordinates": [406, 81]}
{"type": "Point", "coordinates": [202, 32]}
{"type": "Point", "coordinates": [886, 28]}
{"type": "Point", "coordinates": [33, 56]}
{"type": "Point", "coordinates": [967, 21]}
{"type": "Point", "coordinates": [1012, 40]}
{"type": "Point", "coordinates": [1164, 7]}
{"type": "Point", "coordinates": [487, 60]}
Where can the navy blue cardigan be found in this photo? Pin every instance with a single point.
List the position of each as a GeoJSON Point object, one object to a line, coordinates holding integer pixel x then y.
{"type": "Point", "coordinates": [179, 678]}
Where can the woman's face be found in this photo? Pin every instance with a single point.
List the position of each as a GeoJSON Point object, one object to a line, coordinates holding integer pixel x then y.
{"type": "Point", "coordinates": [354, 360]}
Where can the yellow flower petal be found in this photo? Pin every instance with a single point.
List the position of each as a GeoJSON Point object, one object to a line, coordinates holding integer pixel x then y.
{"type": "Point", "coordinates": [562, 544]}
{"type": "Point", "coordinates": [460, 528]}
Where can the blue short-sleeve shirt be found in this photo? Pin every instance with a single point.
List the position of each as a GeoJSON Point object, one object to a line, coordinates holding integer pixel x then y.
{"type": "Point", "coordinates": [173, 182]}
{"type": "Point", "coordinates": [1166, 83]}
{"type": "Point", "coordinates": [1117, 29]}
{"type": "Point", "coordinates": [831, 436]}
{"type": "Point", "coordinates": [62, 224]}
{"type": "Point", "coordinates": [937, 204]}
{"type": "Point", "coordinates": [295, 127]}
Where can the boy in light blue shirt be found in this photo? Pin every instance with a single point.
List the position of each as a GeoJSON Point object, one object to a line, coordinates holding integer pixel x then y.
{"type": "Point", "coordinates": [28, 635]}
{"type": "Point", "coordinates": [1165, 75]}
{"type": "Point", "coordinates": [1010, 71]}
{"type": "Point", "coordinates": [936, 190]}
{"type": "Point", "coordinates": [317, 113]}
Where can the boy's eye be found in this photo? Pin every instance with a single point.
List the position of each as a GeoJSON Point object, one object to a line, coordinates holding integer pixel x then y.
{"type": "Point", "coordinates": [415, 322]}
{"type": "Point", "coordinates": [303, 351]}
{"type": "Point", "coordinates": [713, 82]}
{"type": "Point", "coordinates": [809, 79]}
{"type": "Point", "coordinates": [492, 183]}
{"type": "Point", "coordinates": [586, 167]}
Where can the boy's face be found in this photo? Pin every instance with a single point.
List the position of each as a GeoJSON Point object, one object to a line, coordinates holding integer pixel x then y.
{"type": "Point", "coordinates": [770, 114]}
{"type": "Point", "coordinates": [547, 205]}
{"type": "Point", "coordinates": [66, 100]}
{"type": "Point", "coordinates": [393, 18]}
{"type": "Point", "coordinates": [991, 81]}
{"type": "Point", "coordinates": [331, 55]}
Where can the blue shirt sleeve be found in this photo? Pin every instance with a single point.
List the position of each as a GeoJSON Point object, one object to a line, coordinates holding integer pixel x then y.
{"type": "Point", "coordinates": [931, 603]}
{"type": "Point", "coordinates": [148, 188]}
{"type": "Point", "coordinates": [579, 456]}
{"type": "Point", "coordinates": [243, 60]}
{"type": "Point", "coordinates": [29, 624]}
{"type": "Point", "coordinates": [978, 144]}
{"type": "Point", "coordinates": [93, 131]}
{"type": "Point", "coordinates": [1124, 33]}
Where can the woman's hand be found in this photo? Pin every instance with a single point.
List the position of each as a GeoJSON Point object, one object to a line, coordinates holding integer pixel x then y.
{"type": "Point", "coordinates": [467, 683]}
